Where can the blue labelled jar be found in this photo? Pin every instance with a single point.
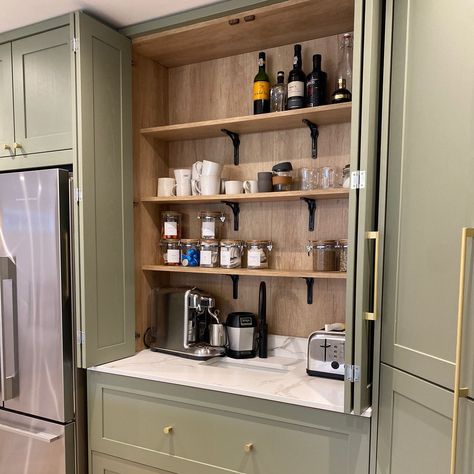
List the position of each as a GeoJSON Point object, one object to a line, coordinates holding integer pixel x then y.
{"type": "Point", "coordinates": [190, 252]}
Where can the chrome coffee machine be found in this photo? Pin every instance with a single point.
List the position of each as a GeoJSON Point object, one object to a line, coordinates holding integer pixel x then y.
{"type": "Point", "coordinates": [185, 323]}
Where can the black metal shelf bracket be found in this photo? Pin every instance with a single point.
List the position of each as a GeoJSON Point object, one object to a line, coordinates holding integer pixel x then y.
{"type": "Point", "coordinates": [311, 211]}
{"type": "Point", "coordinates": [235, 286]}
{"type": "Point", "coordinates": [235, 141]}
{"type": "Point", "coordinates": [235, 206]}
{"type": "Point", "coordinates": [314, 137]}
{"type": "Point", "coordinates": [309, 290]}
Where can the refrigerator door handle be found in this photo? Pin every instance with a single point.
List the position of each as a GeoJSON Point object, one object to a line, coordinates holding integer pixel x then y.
{"type": "Point", "coordinates": [8, 383]}
{"type": "Point", "coordinates": [39, 436]}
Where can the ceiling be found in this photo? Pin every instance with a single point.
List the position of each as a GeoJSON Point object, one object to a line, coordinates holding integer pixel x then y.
{"type": "Point", "coordinates": [117, 13]}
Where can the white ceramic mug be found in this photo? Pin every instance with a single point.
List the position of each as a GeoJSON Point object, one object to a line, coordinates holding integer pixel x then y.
{"type": "Point", "coordinates": [166, 186]}
{"type": "Point", "coordinates": [182, 173]}
{"type": "Point", "coordinates": [233, 187]}
{"type": "Point", "coordinates": [183, 187]}
{"type": "Point", "coordinates": [211, 168]}
{"type": "Point", "coordinates": [251, 186]}
{"type": "Point", "coordinates": [208, 185]}
{"type": "Point", "coordinates": [196, 170]}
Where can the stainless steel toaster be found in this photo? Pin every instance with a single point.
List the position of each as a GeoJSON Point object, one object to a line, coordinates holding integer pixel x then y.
{"type": "Point", "coordinates": [326, 354]}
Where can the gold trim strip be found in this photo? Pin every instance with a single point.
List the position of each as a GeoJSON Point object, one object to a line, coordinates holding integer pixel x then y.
{"type": "Point", "coordinates": [374, 235]}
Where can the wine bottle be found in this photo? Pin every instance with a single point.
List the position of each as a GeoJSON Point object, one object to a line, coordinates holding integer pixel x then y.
{"type": "Point", "coordinates": [316, 84]}
{"type": "Point", "coordinates": [261, 88]}
{"type": "Point", "coordinates": [278, 93]}
{"type": "Point", "coordinates": [341, 94]}
{"type": "Point", "coordinates": [296, 82]}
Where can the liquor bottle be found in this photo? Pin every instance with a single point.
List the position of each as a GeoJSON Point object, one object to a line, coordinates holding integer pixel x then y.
{"type": "Point", "coordinates": [341, 94]}
{"type": "Point", "coordinates": [261, 88]}
{"type": "Point", "coordinates": [278, 94]}
{"type": "Point", "coordinates": [296, 82]}
{"type": "Point", "coordinates": [316, 84]}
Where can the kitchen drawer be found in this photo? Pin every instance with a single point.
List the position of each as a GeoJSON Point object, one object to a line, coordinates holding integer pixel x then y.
{"type": "Point", "coordinates": [103, 464]}
{"type": "Point", "coordinates": [128, 418]}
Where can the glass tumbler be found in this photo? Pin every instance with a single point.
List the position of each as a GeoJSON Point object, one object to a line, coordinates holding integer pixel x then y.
{"type": "Point", "coordinates": [308, 179]}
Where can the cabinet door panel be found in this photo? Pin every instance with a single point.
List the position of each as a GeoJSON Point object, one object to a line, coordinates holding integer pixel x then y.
{"type": "Point", "coordinates": [105, 178]}
{"type": "Point", "coordinates": [43, 92]}
{"type": "Point", "coordinates": [429, 187]}
{"type": "Point", "coordinates": [103, 464]}
{"type": "Point", "coordinates": [6, 99]}
{"type": "Point", "coordinates": [414, 432]}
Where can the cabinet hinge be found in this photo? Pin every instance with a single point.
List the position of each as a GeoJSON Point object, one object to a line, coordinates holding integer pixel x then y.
{"type": "Point", "coordinates": [352, 373]}
{"type": "Point", "coordinates": [358, 179]}
{"type": "Point", "coordinates": [81, 337]}
{"type": "Point", "coordinates": [75, 45]}
{"type": "Point", "coordinates": [77, 195]}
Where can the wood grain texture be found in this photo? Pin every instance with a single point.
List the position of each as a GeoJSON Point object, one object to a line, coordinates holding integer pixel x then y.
{"type": "Point", "coordinates": [322, 115]}
{"type": "Point", "coordinates": [274, 25]}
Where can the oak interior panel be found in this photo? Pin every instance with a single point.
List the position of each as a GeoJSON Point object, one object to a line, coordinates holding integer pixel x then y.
{"type": "Point", "coordinates": [274, 25]}
{"type": "Point", "coordinates": [221, 88]}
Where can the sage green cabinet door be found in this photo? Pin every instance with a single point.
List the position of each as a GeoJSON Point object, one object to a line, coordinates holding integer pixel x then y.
{"type": "Point", "coordinates": [103, 464]}
{"type": "Point", "coordinates": [414, 434]}
{"type": "Point", "coordinates": [6, 100]}
{"type": "Point", "coordinates": [43, 92]}
{"type": "Point", "coordinates": [104, 173]}
{"type": "Point", "coordinates": [465, 456]}
{"type": "Point", "coordinates": [429, 188]}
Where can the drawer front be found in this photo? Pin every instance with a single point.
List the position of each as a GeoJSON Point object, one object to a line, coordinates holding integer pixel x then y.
{"type": "Point", "coordinates": [103, 464]}
{"type": "Point", "coordinates": [144, 423]}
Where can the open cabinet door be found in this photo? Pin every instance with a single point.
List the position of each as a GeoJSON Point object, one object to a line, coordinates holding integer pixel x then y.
{"type": "Point", "coordinates": [365, 143]}
{"type": "Point", "coordinates": [105, 200]}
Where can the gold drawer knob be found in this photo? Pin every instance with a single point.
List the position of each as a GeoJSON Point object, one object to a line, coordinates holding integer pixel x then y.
{"type": "Point", "coordinates": [167, 429]}
{"type": "Point", "coordinates": [4, 146]}
{"type": "Point", "coordinates": [248, 447]}
{"type": "Point", "coordinates": [17, 146]}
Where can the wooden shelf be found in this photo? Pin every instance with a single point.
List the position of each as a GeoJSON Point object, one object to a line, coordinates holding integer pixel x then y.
{"type": "Point", "coordinates": [289, 119]}
{"type": "Point", "coordinates": [247, 272]}
{"type": "Point", "coordinates": [336, 193]}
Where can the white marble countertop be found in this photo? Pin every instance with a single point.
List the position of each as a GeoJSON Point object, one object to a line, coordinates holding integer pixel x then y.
{"type": "Point", "coordinates": [281, 377]}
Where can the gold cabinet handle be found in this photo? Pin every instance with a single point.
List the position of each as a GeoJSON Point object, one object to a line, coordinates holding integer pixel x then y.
{"type": "Point", "coordinates": [467, 233]}
{"type": "Point", "coordinates": [167, 429]}
{"type": "Point", "coordinates": [374, 235]}
{"type": "Point", "coordinates": [17, 146]}
{"type": "Point", "coordinates": [248, 447]}
{"type": "Point", "coordinates": [5, 146]}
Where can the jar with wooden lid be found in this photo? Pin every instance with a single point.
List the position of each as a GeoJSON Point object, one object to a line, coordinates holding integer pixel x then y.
{"type": "Point", "coordinates": [231, 253]}
{"type": "Point", "coordinates": [171, 252]}
{"type": "Point", "coordinates": [324, 255]}
{"type": "Point", "coordinates": [170, 225]}
{"type": "Point", "coordinates": [342, 247]}
{"type": "Point", "coordinates": [211, 222]}
{"type": "Point", "coordinates": [258, 253]}
{"type": "Point", "coordinates": [190, 252]}
{"type": "Point", "coordinates": [209, 254]}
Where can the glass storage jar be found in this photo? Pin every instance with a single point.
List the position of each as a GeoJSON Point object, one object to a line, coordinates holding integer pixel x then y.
{"type": "Point", "coordinates": [209, 254]}
{"type": "Point", "coordinates": [342, 247]}
{"type": "Point", "coordinates": [346, 177]}
{"type": "Point", "coordinates": [190, 252]}
{"type": "Point", "coordinates": [324, 255]}
{"type": "Point", "coordinates": [171, 252]}
{"type": "Point", "coordinates": [258, 253]}
{"type": "Point", "coordinates": [170, 225]}
{"type": "Point", "coordinates": [211, 222]}
{"type": "Point", "coordinates": [231, 253]}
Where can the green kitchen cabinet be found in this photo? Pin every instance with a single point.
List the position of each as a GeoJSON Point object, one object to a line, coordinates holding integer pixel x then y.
{"type": "Point", "coordinates": [7, 134]}
{"type": "Point", "coordinates": [187, 430]}
{"type": "Point", "coordinates": [103, 464]}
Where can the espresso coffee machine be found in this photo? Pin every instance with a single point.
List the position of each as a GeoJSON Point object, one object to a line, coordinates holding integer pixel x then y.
{"type": "Point", "coordinates": [184, 322]}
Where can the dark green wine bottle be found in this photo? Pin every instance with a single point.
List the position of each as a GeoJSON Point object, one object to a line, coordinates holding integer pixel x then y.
{"type": "Point", "coordinates": [261, 88]}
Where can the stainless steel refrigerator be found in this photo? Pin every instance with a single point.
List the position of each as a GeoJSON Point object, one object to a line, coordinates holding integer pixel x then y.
{"type": "Point", "coordinates": [39, 385]}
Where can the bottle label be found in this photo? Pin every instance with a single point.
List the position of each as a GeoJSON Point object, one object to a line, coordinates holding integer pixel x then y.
{"type": "Point", "coordinates": [206, 257]}
{"type": "Point", "coordinates": [225, 257]}
{"type": "Point", "coordinates": [261, 90]}
{"type": "Point", "coordinates": [208, 230]}
{"type": "Point", "coordinates": [171, 229]}
{"type": "Point", "coordinates": [253, 258]}
{"type": "Point", "coordinates": [295, 60]}
{"type": "Point", "coordinates": [261, 62]}
{"type": "Point", "coordinates": [173, 256]}
{"type": "Point", "coordinates": [296, 89]}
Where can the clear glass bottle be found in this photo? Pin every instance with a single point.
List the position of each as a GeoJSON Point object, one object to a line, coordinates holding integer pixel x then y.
{"type": "Point", "coordinates": [278, 94]}
{"type": "Point", "coordinates": [171, 252]}
{"type": "Point", "coordinates": [324, 255]}
{"type": "Point", "coordinates": [344, 69]}
{"type": "Point", "coordinates": [209, 255]}
{"type": "Point", "coordinates": [258, 253]}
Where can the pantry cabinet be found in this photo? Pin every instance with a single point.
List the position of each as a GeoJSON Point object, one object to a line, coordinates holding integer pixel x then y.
{"type": "Point", "coordinates": [7, 135]}
{"type": "Point", "coordinates": [194, 431]}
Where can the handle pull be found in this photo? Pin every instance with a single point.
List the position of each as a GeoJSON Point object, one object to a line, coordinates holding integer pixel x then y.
{"type": "Point", "coordinates": [167, 429]}
{"type": "Point", "coordinates": [8, 383]}
{"type": "Point", "coordinates": [5, 146]}
{"type": "Point", "coordinates": [38, 435]}
{"type": "Point", "coordinates": [467, 233]}
{"type": "Point", "coordinates": [248, 447]}
{"type": "Point", "coordinates": [374, 235]}
{"type": "Point", "coordinates": [17, 146]}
